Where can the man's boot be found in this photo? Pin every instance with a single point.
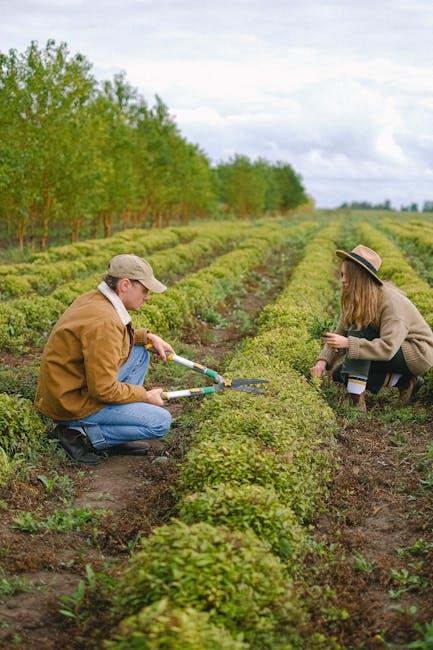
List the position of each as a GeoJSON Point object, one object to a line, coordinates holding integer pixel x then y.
{"type": "Point", "coordinates": [358, 402]}
{"type": "Point", "coordinates": [131, 448]}
{"type": "Point", "coordinates": [75, 445]}
{"type": "Point", "coordinates": [408, 388]}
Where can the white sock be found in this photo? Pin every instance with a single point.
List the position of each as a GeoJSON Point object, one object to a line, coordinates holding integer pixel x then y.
{"type": "Point", "coordinates": [394, 379]}
{"type": "Point", "coordinates": [356, 386]}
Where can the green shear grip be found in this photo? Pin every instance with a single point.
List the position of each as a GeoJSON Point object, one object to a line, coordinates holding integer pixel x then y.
{"type": "Point", "coordinates": [211, 373]}
{"type": "Point", "coordinates": [208, 390]}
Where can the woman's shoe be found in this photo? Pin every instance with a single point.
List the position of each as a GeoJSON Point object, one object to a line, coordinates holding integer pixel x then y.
{"type": "Point", "coordinates": [410, 389]}
{"type": "Point", "coordinates": [358, 402]}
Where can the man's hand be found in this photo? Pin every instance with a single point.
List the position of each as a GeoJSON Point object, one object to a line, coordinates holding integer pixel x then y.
{"type": "Point", "coordinates": [154, 397]}
{"type": "Point", "coordinates": [162, 347]}
{"type": "Point", "coordinates": [318, 369]}
{"type": "Point", "coordinates": [336, 341]}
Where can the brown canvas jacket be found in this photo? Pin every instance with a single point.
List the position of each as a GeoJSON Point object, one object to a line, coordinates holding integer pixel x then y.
{"type": "Point", "coordinates": [81, 360]}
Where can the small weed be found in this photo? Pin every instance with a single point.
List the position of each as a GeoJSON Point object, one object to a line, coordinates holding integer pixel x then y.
{"type": "Point", "coordinates": [406, 582]}
{"type": "Point", "coordinates": [58, 521]}
{"type": "Point", "coordinates": [426, 641]}
{"type": "Point", "coordinates": [320, 325]}
{"type": "Point", "coordinates": [212, 317]}
{"type": "Point", "coordinates": [8, 466]}
{"type": "Point", "coordinates": [59, 483]}
{"type": "Point", "coordinates": [361, 564]}
{"type": "Point", "coordinates": [13, 585]}
{"type": "Point", "coordinates": [81, 603]}
{"type": "Point", "coordinates": [420, 547]}
{"type": "Point", "coordinates": [405, 414]}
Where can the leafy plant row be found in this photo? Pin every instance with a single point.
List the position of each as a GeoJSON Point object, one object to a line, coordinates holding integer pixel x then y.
{"type": "Point", "coordinates": [395, 267]}
{"type": "Point", "coordinates": [78, 260]}
{"type": "Point", "coordinates": [254, 475]}
{"type": "Point", "coordinates": [200, 290]}
{"type": "Point", "coordinates": [302, 308]}
{"type": "Point", "coordinates": [29, 319]}
{"type": "Point", "coordinates": [415, 232]}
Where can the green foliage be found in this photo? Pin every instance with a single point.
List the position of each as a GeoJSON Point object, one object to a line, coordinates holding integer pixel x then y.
{"type": "Point", "coordinates": [20, 380]}
{"type": "Point", "coordinates": [228, 574]}
{"type": "Point", "coordinates": [163, 627]}
{"type": "Point", "coordinates": [425, 642]}
{"type": "Point", "coordinates": [7, 467]}
{"type": "Point", "coordinates": [60, 520]}
{"type": "Point", "coordinates": [81, 602]}
{"type": "Point", "coordinates": [11, 585]}
{"type": "Point", "coordinates": [20, 425]}
{"type": "Point", "coordinates": [249, 507]}
{"type": "Point", "coordinates": [252, 188]}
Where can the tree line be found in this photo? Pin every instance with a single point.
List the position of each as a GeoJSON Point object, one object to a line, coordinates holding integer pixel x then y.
{"type": "Point", "coordinates": [82, 158]}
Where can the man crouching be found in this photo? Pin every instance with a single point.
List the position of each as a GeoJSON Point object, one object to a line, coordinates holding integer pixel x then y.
{"type": "Point", "coordinates": [94, 364]}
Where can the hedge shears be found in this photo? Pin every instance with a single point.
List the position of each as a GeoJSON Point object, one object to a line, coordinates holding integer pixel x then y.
{"type": "Point", "coordinates": [221, 383]}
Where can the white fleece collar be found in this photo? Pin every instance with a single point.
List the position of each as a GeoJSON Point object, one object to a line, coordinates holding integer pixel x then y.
{"type": "Point", "coordinates": [116, 302]}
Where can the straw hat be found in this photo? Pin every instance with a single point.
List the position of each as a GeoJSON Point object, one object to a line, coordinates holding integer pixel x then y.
{"type": "Point", "coordinates": [365, 257]}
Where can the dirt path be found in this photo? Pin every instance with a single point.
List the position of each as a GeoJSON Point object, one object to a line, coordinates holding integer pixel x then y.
{"type": "Point", "coordinates": [137, 493]}
{"type": "Point", "coordinates": [379, 522]}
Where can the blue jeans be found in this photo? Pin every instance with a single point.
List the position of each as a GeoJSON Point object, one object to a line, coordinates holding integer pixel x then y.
{"type": "Point", "coordinates": [118, 423]}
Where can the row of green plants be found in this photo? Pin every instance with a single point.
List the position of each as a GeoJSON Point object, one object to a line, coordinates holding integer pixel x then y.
{"type": "Point", "coordinates": [200, 291]}
{"type": "Point", "coordinates": [44, 275]}
{"type": "Point", "coordinates": [396, 268]}
{"type": "Point", "coordinates": [303, 307]}
{"type": "Point", "coordinates": [28, 320]}
{"type": "Point", "coordinates": [175, 309]}
{"type": "Point", "coordinates": [228, 564]}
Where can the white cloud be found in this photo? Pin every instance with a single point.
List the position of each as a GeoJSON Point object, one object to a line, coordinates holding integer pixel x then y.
{"type": "Point", "coordinates": [342, 90]}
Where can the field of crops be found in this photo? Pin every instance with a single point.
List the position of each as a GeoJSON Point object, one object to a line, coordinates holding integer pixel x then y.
{"type": "Point", "coordinates": [274, 522]}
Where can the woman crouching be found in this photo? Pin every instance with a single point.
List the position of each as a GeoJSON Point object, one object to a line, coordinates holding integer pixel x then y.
{"type": "Point", "coordinates": [385, 339]}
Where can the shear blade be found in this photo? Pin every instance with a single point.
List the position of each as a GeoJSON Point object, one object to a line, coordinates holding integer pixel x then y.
{"type": "Point", "coordinates": [248, 389]}
{"type": "Point", "coordinates": [245, 382]}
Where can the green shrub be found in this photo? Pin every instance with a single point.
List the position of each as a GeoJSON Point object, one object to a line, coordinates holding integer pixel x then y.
{"type": "Point", "coordinates": [14, 285]}
{"type": "Point", "coordinates": [20, 380]}
{"type": "Point", "coordinates": [164, 627]}
{"type": "Point", "coordinates": [13, 329]}
{"type": "Point", "coordinates": [230, 575]}
{"type": "Point", "coordinates": [20, 425]}
{"type": "Point", "coordinates": [244, 507]}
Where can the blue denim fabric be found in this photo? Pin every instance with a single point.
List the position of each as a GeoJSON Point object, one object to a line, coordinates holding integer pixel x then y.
{"type": "Point", "coordinates": [118, 423]}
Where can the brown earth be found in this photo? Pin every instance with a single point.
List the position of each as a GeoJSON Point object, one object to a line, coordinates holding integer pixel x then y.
{"type": "Point", "coordinates": [380, 504]}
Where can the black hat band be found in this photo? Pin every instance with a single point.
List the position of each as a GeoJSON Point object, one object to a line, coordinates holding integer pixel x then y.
{"type": "Point", "coordinates": [364, 261]}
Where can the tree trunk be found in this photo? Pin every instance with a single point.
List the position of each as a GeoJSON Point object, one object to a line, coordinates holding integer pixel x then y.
{"type": "Point", "coordinates": [20, 234]}
{"type": "Point", "coordinates": [107, 222]}
{"type": "Point", "coordinates": [75, 229]}
{"type": "Point", "coordinates": [126, 214]}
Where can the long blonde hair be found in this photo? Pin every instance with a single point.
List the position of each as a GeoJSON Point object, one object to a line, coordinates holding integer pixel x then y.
{"type": "Point", "coordinates": [360, 300]}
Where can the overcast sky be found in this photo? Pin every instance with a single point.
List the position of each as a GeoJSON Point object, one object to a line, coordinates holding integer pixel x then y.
{"type": "Point", "coordinates": [341, 89]}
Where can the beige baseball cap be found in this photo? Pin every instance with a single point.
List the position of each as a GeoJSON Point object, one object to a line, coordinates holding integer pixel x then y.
{"type": "Point", "coordinates": [135, 268]}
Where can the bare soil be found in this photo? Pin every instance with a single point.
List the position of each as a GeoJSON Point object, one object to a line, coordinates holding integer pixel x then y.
{"type": "Point", "coordinates": [379, 508]}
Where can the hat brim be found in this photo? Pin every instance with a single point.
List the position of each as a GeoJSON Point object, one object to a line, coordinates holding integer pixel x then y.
{"type": "Point", "coordinates": [153, 285]}
{"type": "Point", "coordinates": [348, 256]}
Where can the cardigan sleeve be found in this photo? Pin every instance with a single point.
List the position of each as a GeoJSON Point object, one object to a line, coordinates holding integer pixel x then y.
{"type": "Point", "coordinates": [393, 332]}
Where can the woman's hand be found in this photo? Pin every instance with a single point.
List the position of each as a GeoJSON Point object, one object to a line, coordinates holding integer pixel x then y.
{"type": "Point", "coordinates": [318, 369]}
{"type": "Point", "coordinates": [336, 341]}
{"type": "Point", "coordinates": [161, 347]}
